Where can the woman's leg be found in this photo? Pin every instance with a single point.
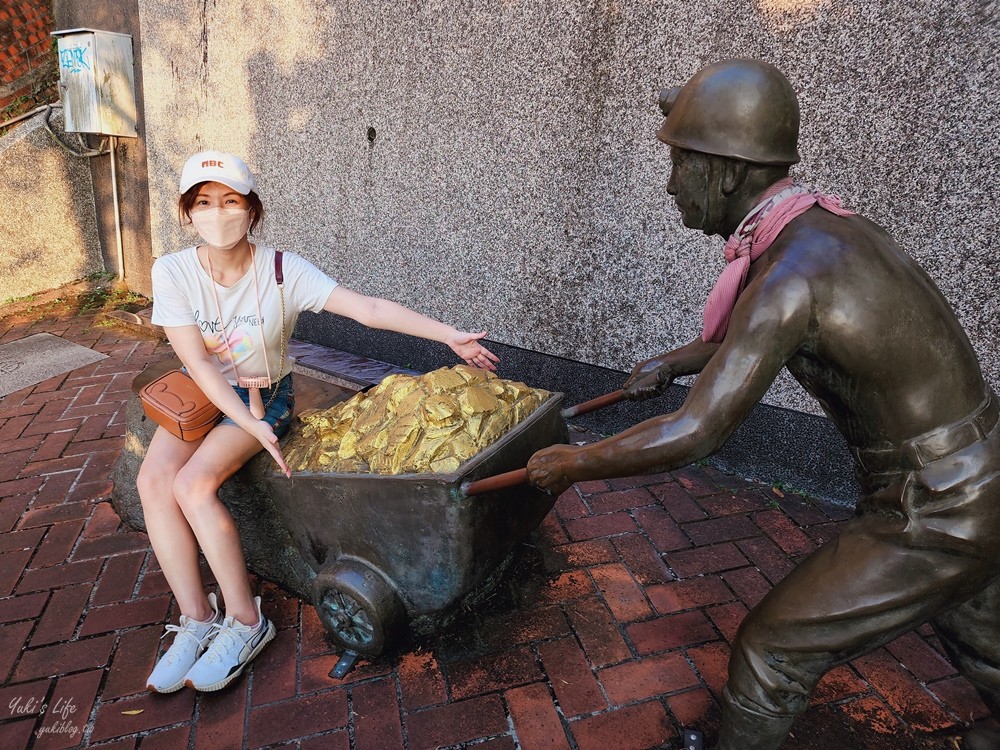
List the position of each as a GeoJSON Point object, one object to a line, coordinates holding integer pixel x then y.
{"type": "Point", "coordinates": [177, 551]}
{"type": "Point", "coordinates": [244, 631]}
{"type": "Point", "coordinates": [169, 532]}
{"type": "Point", "coordinates": [208, 656]}
{"type": "Point", "coordinates": [223, 451]}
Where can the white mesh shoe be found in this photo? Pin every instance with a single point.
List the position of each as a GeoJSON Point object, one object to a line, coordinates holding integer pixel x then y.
{"type": "Point", "coordinates": [233, 647]}
{"type": "Point", "coordinates": [191, 638]}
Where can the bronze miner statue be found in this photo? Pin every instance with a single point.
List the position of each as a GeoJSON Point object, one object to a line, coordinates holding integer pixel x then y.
{"type": "Point", "coordinates": [828, 294]}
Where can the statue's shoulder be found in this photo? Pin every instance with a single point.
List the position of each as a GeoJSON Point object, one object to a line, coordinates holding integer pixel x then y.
{"type": "Point", "coordinates": [822, 237]}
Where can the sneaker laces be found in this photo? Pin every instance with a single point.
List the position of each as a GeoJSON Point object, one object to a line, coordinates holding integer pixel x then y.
{"type": "Point", "coordinates": [185, 639]}
{"type": "Point", "coordinates": [228, 639]}
{"type": "Point", "coordinates": [187, 627]}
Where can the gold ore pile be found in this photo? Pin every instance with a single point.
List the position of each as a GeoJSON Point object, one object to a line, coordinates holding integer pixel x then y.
{"type": "Point", "coordinates": [409, 424]}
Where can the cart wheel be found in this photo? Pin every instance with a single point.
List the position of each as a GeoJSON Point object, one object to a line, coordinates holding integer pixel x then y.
{"type": "Point", "coordinates": [358, 608]}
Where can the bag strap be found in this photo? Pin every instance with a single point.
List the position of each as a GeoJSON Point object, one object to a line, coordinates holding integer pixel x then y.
{"type": "Point", "coordinates": [279, 278]}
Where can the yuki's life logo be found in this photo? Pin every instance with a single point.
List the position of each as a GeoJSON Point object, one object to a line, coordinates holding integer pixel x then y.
{"type": "Point", "coordinates": [57, 718]}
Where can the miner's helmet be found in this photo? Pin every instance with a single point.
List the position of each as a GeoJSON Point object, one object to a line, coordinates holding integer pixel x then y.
{"type": "Point", "coordinates": [743, 109]}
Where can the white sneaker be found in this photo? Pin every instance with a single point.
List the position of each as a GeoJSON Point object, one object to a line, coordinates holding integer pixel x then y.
{"type": "Point", "coordinates": [233, 647]}
{"type": "Point", "coordinates": [190, 641]}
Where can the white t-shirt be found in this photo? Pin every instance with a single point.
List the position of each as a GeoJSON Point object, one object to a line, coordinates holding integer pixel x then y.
{"type": "Point", "coordinates": [182, 296]}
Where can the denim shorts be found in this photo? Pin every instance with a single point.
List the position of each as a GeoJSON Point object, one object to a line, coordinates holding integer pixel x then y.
{"type": "Point", "coordinates": [279, 413]}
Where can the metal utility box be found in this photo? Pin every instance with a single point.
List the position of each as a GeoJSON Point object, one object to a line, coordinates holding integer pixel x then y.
{"type": "Point", "coordinates": [97, 82]}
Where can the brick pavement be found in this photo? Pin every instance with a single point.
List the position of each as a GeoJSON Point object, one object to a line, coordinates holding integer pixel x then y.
{"type": "Point", "coordinates": [611, 632]}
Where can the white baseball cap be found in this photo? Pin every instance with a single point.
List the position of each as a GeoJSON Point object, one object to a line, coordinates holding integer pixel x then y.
{"type": "Point", "coordinates": [217, 166]}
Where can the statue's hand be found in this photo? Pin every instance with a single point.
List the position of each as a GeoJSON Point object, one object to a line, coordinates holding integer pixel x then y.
{"type": "Point", "coordinates": [649, 378]}
{"type": "Point", "coordinates": [556, 468]}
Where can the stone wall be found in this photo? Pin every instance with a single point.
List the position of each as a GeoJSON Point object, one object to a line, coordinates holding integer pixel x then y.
{"type": "Point", "coordinates": [48, 224]}
{"type": "Point", "coordinates": [122, 17]}
{"type": "Point", "coordinates": [495, 163]}
{"type": "Point", "coordinates": [48, 233]}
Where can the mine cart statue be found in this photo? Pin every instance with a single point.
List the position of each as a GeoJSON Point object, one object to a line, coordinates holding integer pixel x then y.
{"type": "Point", "coordinates": [380, 557]}
{"type": "Point", "coordinates": [827, 294]}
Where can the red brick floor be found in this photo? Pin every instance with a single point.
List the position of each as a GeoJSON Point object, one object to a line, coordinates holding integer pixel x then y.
{"type": "Point", "coordinates": [611, 632]}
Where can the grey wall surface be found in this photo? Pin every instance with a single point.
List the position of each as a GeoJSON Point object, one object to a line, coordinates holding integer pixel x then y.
{"type": "Point", "coordinates": [495, 164]}
{"type": "Point", "coordinates": [121, 16]}
{"type": "Point", "coordinates": [48, 226]}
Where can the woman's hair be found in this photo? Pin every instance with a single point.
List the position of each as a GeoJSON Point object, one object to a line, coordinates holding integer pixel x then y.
{"type": "Point", "coordinates": [186, 202]}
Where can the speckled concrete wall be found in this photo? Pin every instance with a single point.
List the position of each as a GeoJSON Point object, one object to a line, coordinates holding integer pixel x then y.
{"type": "Point", "coordinates": [120, 16]}
{"type": "Point", "coordinates": [48, 224]}
{"type": "Point", "coordinates": [494, 163]}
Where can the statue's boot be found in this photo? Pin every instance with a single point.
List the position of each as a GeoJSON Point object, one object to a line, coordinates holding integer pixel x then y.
{"type": "Point", "coordinates": [981, 738]}
{"type": "Point", "coordinates": [743, 728]}
{"type": "Point", "coordinates": [968, 633]}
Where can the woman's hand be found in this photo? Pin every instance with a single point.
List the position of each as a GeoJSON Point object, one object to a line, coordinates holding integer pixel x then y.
{"type": "Point", "coordinates": [466, 345]}
{"type": "Point", "coordinates": [263, 432]}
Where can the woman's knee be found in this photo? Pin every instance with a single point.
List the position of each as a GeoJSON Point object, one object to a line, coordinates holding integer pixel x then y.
{"type": "Point", "coordinates": [153, 483]}
{"type": "Point", "coordinates": [194, 488]}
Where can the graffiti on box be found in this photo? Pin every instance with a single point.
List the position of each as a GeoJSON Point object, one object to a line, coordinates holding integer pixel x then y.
{"type": "Point", "coordinates": [74, 59]}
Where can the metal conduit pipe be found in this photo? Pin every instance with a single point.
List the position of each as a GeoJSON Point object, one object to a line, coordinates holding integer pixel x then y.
{"type": "Point", "coordinates": [26, 115]}
{"type": "Point", "coordinates": [90, 153]}
{"type": "Point", "coordinates": [118, 218]}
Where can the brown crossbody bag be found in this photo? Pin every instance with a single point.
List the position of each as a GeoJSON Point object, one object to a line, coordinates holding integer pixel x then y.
{"type": "Point", "coordinates": [176, 403]}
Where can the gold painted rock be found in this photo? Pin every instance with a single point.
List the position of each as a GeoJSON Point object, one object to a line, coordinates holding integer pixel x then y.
{"type": "Point", "coordinates": [408, 424]}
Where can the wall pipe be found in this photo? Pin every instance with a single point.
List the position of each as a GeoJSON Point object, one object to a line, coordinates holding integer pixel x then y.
{"type": "Point", "coordinates": [118, 220]}
{"type": "Point", "coordinates": [26, 115]}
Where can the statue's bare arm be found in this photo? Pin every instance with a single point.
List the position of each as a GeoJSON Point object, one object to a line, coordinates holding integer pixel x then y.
{"type": "Point", "coordinates": [769, 324]}
{"type": "Point", "coordinates": [653, 376]}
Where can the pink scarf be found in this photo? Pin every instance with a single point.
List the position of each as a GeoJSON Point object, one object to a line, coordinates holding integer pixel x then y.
{"type": "Point", "coordinates": [779, 204]}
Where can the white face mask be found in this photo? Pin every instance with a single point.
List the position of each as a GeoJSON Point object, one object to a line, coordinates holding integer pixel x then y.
{"type": "Point", "coordinates": [222, 227]}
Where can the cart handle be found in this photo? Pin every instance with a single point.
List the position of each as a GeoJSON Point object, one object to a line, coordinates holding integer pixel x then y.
{"type": "Point", "coordinates": [520, 476]}
{"type": "Point", "coordinates": [495, 482]}
{"type": "Point", "coordinates": [594, 404]}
